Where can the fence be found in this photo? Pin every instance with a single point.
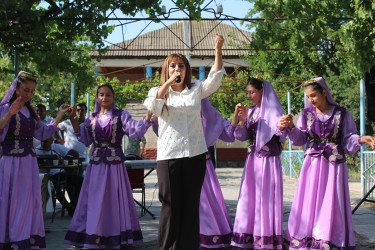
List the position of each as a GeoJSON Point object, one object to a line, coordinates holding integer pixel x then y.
{"type": "Point", "coordinates": [291, 162]}
{"type": "Point", "coordinates": [368, 174]}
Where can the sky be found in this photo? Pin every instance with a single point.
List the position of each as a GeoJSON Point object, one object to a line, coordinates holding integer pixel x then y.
{"type": "Point", "coordinates": [235, 8]}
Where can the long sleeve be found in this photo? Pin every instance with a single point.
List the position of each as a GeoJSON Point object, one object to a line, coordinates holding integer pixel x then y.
{"type": "Point", "coordinates": [154, 104]}
{"type": "Point", "coordinates": [45, 131]}
{"type": "Point", "coordinates": [297, 134]}
{"type": "Point", "coordinates": [155, 128]}
{"type": "Point", "coordinates": [133, 128]}
{"type": "Point", "coordinates": [213, 82]}
{"type": "Point", "coordinates": [349, 138]}
{"type": "Point", "coordinates": [3, 132]}
{"type": "Point", "coordinates": [228, 133]}
{"type": "Point", "coordinates": [282, 134]}
{"type": "Point", "coordinates": [83, 133]}
{"type": "Point", "coordinates": [240, 133]}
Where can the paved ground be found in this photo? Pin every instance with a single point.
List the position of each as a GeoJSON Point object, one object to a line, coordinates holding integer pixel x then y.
{"type": "Point", "coordinates": [230, 179]}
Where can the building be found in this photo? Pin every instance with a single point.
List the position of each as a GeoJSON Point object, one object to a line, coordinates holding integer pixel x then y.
{"type": "Point", "coordinates": [138, 59]}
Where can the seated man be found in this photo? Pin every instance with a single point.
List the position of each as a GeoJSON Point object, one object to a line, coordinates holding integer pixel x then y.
{"type": "Point", "coordinates": [41, 111]}
{"type": "Point", "coordinates": [73, 181]}
{"type": "Point", "coordinates": [71, 140]}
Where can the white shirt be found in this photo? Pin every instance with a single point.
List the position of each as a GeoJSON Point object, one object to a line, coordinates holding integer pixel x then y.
{"type": "Point", "coordinates": [180, 126]}
{"type": "Point", "coordinates": [56, 149]}
{"type": "Point", "coordinates": [71, 140]}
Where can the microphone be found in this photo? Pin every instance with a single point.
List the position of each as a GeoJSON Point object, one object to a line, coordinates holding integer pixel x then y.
{"type": "Point", "coordinates": [178, 79]}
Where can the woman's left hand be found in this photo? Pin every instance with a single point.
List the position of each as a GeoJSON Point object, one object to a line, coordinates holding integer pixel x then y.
{"type": "Point", "coordinates": [219, 41]}
{"type": "Point", "coordinates": [63, 108]}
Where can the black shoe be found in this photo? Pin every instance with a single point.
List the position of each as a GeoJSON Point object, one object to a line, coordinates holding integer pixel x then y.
{"type": "Point", "coordinates": [70, 210]}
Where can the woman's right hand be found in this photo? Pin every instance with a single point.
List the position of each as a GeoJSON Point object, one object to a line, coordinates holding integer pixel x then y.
{"type": "Point", "coordinates": [172, 80]}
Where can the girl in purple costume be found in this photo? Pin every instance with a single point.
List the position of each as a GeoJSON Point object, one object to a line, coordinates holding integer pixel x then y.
{"type": "Point", "coordinates": [259, 215]}
{"type": "Point", "coordinates": [21, 215]}
{"type": "Point", "coordinates": [214, 222]}
{"type": "Point", "coordinates": [320, 216]}
{"type": "Point", "coordinates": [106, 216]}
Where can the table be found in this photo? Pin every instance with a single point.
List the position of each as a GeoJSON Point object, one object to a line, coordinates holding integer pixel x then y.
{"type": "Point", "coordinates": [139, 164]}
{"type": "Point", "coordinates": [61, 166]}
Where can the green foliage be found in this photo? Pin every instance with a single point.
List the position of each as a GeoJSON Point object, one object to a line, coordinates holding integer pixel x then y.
{"type": "Point", "coordinates": [334, 39]}
{"type": "Point", "coordinates": [54, 39]}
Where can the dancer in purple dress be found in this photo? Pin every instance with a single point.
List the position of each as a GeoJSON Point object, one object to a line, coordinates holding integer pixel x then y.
{"type": "Point", "coordinates": [106, 216]}
{"type": "Point", "coordinates": [21, 215]}
{"type": "Point", "coordinates": [259, 215]}
{"type": "Point", "coordinates": [320, 216]}
{"type": "Point", "coordinates": [214, 222]}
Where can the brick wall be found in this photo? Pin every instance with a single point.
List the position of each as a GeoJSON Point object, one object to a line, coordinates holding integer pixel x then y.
{"type": "Point", "coordinates": [150, 154]}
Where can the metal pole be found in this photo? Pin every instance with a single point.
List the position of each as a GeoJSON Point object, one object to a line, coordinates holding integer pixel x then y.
{"type": "Point", "coordinates": [290, 143]}
{"type": "Point", "coordinates": [362, 132]}
{"type": "Point", "coordinates": [16, 62]}
{"type": "Point", "coordinates": [188, 45]}
{"type": "Point", "coordinates": [202, 73]}
{"type": "Point", "coordinates": [72, 94]}
{"type": "Point", "coordinates": [148, 72]}
{"type": "Point", "coordinates": [88, 105]}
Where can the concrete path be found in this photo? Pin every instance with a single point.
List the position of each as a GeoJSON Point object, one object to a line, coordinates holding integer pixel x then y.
{"type": "Point", "coordinates": [230, 179]}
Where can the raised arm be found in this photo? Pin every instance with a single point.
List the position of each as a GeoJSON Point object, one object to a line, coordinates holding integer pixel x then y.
{"type": "Point", "coordinates": [219, 41]}
{"type": "Point", "coordinates": [72, 112]}
{"type": "Point", "coordinates": [351, 141]}
{"type": "Point", "coordinates": [63, 108]}
{"type": "Point", "coordinates": [213, 81]}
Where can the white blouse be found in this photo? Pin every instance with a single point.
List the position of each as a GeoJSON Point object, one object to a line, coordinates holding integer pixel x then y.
{"type": "Point", "coordinates": [180, 125]}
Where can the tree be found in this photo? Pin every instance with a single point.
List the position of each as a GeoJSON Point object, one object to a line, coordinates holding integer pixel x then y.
{"type": "Point", "coordinates": [56, 37]}
{"type": "Point", "coordinates": [309, 38]}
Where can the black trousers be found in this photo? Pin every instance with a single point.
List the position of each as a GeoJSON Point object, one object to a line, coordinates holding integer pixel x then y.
{"type": "Point", "coordinates": [73, 187]}
{"type": "Point", "coordinates": [180, 183]}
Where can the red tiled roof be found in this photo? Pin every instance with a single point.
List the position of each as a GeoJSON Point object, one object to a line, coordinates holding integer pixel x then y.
{"type": "Point", "coordinates": [162, 42]}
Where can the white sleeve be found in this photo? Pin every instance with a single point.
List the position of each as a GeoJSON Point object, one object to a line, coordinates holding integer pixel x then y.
{"type": "Point", "coordinates": [63, 125]}
{"type": "Point", "coordinates": [213, 82]}
{"type": "Point", "coordinates": [154, 104]}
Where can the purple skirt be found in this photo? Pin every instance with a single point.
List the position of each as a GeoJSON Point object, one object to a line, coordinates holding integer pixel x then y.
{"type": "Point", "coordinates": [21, 214]}
{"type": "Point", "coordinates": [105, 216]}
{"type": "Point", "coordinates": [214, 221]}
{"type": "Point", "coordinates": [259, 215]}
{"type": "Point", "coordinates": [320, 216]}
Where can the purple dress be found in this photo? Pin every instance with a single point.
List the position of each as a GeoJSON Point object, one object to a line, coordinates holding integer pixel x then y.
{"type": "Point", "coordinates": [21, 215]}
{"type": "Point", "coordinates": [259, 215]}
{"type": "Point", "coordinates": [106, 216]}
{"type": "Point", "coordinates": [214, 222]}
{"type": "Point", "coordinates": [320, 216]}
